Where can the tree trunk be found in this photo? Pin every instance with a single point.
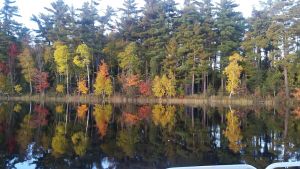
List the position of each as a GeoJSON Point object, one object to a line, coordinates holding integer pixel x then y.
{"type": "Point", "coordinates": [222, 85]}
{"type": "Point", "coordinates": [286, 83]}
{"type": "Point", "coordinates": [88, 76]}
{"type": "Point", "coordinates": [193, 83]}
{"type": "Point", "coordinates": [30, 86]}
{"type": "Point", "coordinates": [67, 82]}
{"type": "Point", "coordinates": [204, 82]}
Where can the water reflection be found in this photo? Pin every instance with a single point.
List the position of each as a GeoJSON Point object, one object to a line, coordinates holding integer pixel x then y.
{"type": "Point", "coordinates": [144, 136]}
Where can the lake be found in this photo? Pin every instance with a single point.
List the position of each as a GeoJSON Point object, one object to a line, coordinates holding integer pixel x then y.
{"type": "Point", "coordinates": [34, 135]}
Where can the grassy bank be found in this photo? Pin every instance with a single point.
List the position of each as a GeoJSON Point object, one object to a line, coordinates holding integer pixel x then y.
{"type": "Point", "coordinates": [195, 100]}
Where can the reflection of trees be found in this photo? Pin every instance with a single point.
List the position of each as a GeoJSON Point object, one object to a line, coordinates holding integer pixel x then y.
{"type": "Point", "coordinates": [80, 143]}
{"type": "Point", "coordinates": [24, 134]}
{"type": "Point", "coordinates": [164, 116]}
{"type": "Point", "coordinates": [130, 118]}
{"type": "Point", "coordinates": [40, 116]}
{"type": "Point", "coordinates": [59, 109]}
{"type": "Point", "coordinates": [59, 141]}
{"type": "Point", "coordinates": [127, 140]}
{"type": "Point", "coordinates": [233, 132]}
{"type": "Point", "coordinates": [17, 108]}
{"type": "Point", "coordinates": [81, 111]}
{"type": "Point", "coordinates": [102, 115]}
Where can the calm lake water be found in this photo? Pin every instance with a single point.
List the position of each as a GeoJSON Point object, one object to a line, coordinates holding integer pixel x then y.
{"type": "Point", "coordinates": [144, 136]}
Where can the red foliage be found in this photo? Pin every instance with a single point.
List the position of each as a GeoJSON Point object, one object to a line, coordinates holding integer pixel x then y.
{"type": "Point", "coordinates": [144, 112]}
{"type": "Point", "coordinates": [40, 80]}
{"type": "Point", "coordinates": [3, 68]}
{"type": "Point", "coordinates": [12, 50]}
{"type": "Point", "coordinates": [145, 88]}
{"type": "Point", "coordinates": [130, 118]}
{"type": "Point", "coordinates": [40, 117]}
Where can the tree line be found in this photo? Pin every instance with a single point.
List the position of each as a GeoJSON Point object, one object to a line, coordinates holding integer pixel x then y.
{"type": "Point", "coordinates": [159, 49]}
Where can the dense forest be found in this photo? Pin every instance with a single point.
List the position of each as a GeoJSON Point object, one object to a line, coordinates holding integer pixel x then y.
{"type": "Point", "coordinates": [162, 49]}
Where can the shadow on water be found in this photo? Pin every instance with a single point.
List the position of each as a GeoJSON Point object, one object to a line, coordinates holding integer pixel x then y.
{"type": "Point", "coordinates": [74, 135]}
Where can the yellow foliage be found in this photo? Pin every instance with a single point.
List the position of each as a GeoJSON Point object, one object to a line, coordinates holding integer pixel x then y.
{"type": "Point", "coordinates": [102, 114]}
{"type": "Point", "coordinates": [27, 65]}
{"type": "Point", "coordinates": [164, 116]}
{"type": "Point", "coordinates": [233, 132]}
{"type": "Point", "coordinates": [59, 141]}
{"type": "Point", "coordinates": [24, 134]}
{"type": "Point", "coordinates": [233, 72]}
{"type": "Point", "coordinates": [103, 85]}
{"type": "Point", "coordinates": [81, 87]}
{"type": "Point", "coordinates": [3, 82]}
{"type": "Point", "coordinates": [80, 143]}
{"type": "Point", "coordinates": [61, 57]}
{"type": "Point", "coordinates": [18, 89]}
{"type": "Point", "coordinates": [83, 57]}
{"type": "Point", "coordinates": [59, 109]}
{"type": "Point", "coordinates": [164, 86]}
{"type": "Point", "coordinates": [60, 88]}
{"type": "Point", "coordinates": [157, 87]}
{"type": "Point", "coordinates": [17, 108]}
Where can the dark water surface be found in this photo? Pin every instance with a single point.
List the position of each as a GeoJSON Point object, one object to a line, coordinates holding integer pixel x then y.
{"type": "Point", "coordinates": [144, 136]}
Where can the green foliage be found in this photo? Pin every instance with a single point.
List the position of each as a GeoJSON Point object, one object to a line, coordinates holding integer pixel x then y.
{"type": "Point", "coordinates": [128, 59]}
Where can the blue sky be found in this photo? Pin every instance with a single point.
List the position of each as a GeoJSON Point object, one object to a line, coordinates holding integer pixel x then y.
{"type": "Point", "coordinates": [29, 7]}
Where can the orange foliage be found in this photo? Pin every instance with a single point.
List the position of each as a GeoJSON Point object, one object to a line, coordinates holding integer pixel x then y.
{"type": "Point", "coordinates": [102, 114]}
{"type": "Point", "coordinates": [296, 112]}
{"type": "Point", "coordinates": [144, 112]}
{"type": "Point", "coordinates": [130, 118]}
{"type": "Point", "coordinates": [296, 93]}
{"type": "Point", "coordinates": [81, 111]}
{"type": "Point", "coordinates": [103, 70]}
{"type": "Point", "coordinates": [132, 80]}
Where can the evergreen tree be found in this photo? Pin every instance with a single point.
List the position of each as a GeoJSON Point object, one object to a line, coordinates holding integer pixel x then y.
{"type": "Point", "coordinates": [128, 25]}
{"type": "Point", "coordinates": [231, 27]}
{"type": "Point", "coordinates": [9, 26]}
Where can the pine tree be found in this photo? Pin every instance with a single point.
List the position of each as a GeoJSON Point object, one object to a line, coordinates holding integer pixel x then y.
{"type": "Point", "coordinates": [129, 20]}
{"type": "Point", "coordinates": [9, 26]}
{"type": "Point", "coordinates": [231, 27]}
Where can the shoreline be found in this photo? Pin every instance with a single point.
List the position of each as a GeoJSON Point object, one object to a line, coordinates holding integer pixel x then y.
{"type": "Point", "coordinates": [189, 100]}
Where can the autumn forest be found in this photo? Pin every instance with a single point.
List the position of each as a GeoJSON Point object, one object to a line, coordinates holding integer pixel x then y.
{"type": "Point", "coordinates": [162, 50]}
